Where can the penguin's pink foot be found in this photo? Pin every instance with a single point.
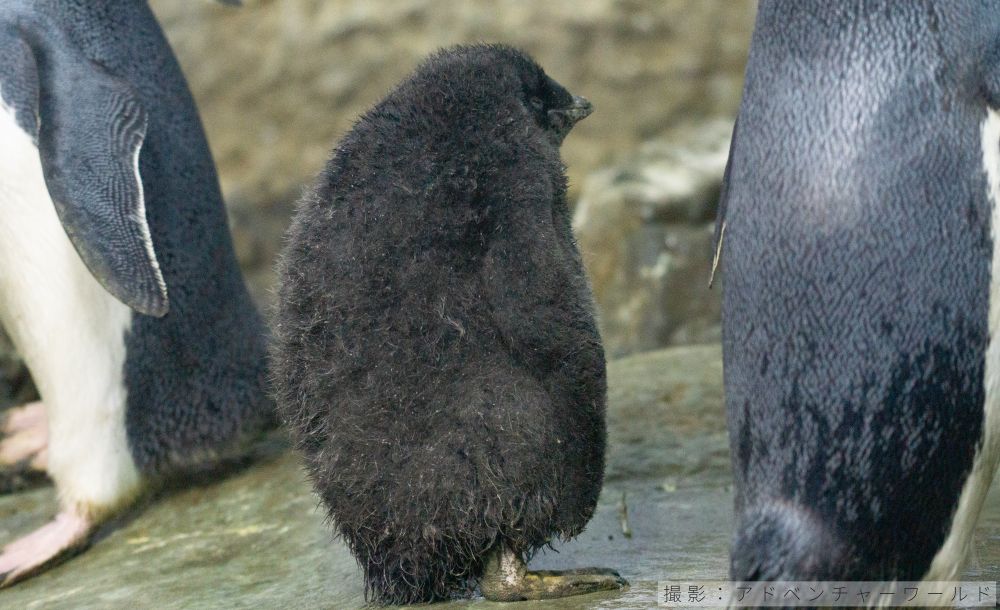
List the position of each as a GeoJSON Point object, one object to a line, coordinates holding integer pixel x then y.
{"type": "Point", "coordinates": [68, 532]}
{"type": "Point", "coordinates": [25, 437]}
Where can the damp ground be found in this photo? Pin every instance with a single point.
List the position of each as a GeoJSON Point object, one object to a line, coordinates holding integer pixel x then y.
{"type": "Point", "coordinates": [256, 538]}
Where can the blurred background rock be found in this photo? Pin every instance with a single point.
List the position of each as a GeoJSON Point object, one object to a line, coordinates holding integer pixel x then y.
{"type": "Point", "coordinates": [279, 81]}
{"type": "Point", "coordinates": [645, 227]}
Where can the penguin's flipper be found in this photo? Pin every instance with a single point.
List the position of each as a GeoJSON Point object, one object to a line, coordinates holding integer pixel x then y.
{"type": "Point", "coordinates": [19, 80]}
{"type": "Point", "coordinates": [91, 130]}
{"type": "Point", "coordinates": [720, 218]}
{"type": "Point", "coordinates": [89, 126]}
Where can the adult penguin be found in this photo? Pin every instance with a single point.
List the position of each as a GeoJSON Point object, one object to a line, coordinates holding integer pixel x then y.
{"type": "Point", "coordinates": [118, 281]}
{"type": "Point", "coordinates": [861, 295]}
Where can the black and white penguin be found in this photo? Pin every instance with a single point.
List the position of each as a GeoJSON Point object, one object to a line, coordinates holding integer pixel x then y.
{"type": "Point", "coordinates": [435, 354]}
{"type": "Point", "coordinates": [862, 297]}
{"type": "Point", "coordinates": [118, 281]}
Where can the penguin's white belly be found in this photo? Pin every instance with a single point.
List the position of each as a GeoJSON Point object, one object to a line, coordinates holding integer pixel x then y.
{"type": "Point", "coordinates": [950, 559]}
{"type": "Point", "coordinates": [68, 328]}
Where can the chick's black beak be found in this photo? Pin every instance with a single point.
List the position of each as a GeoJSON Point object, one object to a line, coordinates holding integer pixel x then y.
{"type": "Point", "coordinates": [562, 120]}
{"type": "Point", "coordinates": [580, 109]}
{"type": "Point", "coordinates": [576, 112]}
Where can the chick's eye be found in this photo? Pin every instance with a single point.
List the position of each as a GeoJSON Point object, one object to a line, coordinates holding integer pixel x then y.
{"type": "Point", "coordinates": [537, 103]}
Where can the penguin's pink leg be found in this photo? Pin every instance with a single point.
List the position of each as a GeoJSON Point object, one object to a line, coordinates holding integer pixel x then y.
{"type": "Point", "coordinates": [69, 531]}
{"type": "Point", "coordinates": [25, 437]}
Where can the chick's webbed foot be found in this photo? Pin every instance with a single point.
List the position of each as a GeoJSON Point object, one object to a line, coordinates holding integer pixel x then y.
{"type": "Point", "coordinates": [506, 578]}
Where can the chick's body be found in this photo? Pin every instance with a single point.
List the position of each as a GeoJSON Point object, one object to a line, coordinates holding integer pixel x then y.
{"type": "Point", "coordinates": [436, 354]}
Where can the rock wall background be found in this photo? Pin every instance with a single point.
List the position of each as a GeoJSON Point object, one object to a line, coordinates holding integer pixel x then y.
{"type": "Point", "coordinates": [645, 227]}
{"type": "Point", "coordinates": [279, 81]}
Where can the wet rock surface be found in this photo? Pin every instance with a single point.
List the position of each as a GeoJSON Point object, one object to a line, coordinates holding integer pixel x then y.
{"type": "Point", "coordinates": [256, 539]}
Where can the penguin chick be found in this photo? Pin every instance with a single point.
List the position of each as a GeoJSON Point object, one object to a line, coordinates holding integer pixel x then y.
{"type": "Point", "coordinates": [436, 357]}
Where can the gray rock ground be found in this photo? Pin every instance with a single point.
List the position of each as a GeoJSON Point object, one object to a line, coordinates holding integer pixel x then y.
{"type": "Point", "coordinates": [256, 540]}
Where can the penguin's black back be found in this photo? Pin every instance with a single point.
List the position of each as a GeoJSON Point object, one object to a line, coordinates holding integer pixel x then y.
{"type": "Point", "coordinates": [196, 377]}
{"type": "Point", "coordinates": [856, 255]}
{"type": "Point", "coordinates": [436, 356]}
